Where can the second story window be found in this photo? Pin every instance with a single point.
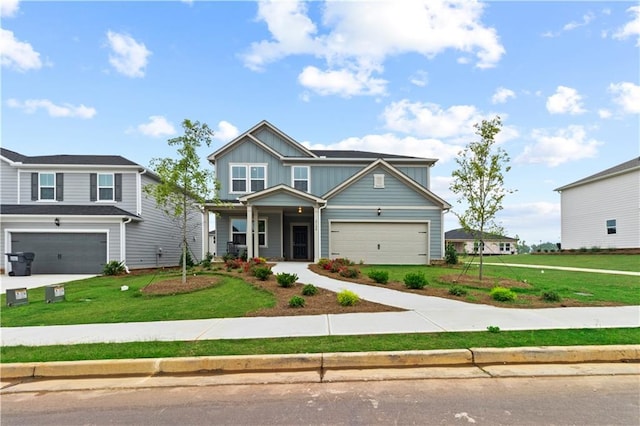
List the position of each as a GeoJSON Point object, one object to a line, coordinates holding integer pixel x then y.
{"type": "Point", "coordinates": [248, 178]}
{"type": "Point", "coordinates": [300, 177]}
{"type": "Point", "coordinates": [105, 187]}
{"type": "Point", "coordinates": [47, 186]}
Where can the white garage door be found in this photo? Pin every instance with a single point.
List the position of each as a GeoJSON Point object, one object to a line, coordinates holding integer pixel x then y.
{"type": "Point", "coordinates": [389, 243]}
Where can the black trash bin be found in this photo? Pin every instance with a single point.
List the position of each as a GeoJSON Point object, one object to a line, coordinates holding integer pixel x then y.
{"type": "Point", "coordinates": [20, 263]}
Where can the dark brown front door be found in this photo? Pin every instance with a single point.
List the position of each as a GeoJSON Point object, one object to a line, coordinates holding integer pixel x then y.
{"type": "Point", "coordinates": [300, 240]}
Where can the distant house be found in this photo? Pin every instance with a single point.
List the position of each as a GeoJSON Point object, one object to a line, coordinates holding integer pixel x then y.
{"type": "Point", "coordinates": [602, 210]}
{"type": "Point", "coordinates": [283, 200]}
{"type": "Point", "coordinates": [78, 212]}
{"type": "Point", "coordinates": [465, 242]}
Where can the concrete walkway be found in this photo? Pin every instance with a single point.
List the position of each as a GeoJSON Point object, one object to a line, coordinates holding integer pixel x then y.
{"type": "Point", "coordinates": [563, 268]}
{"type": "Point", "coordinates": [424, 315]}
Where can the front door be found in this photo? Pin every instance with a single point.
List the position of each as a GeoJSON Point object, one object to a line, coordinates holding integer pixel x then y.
{"type": "Point", "coordinates": [300, 240]}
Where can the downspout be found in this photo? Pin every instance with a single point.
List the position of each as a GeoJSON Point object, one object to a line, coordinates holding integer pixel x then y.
{"type": "Point", "coordinates": [139, 197]}
{"type": "Point", "coordinates": [123, 241]}
{"type": "Point", "coordinates": [320, 229]}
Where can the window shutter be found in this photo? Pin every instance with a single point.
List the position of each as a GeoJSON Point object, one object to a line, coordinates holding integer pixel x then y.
{"type": "Point", "coordinates": [118, 184]}
{"type": "Point", "coordinates": [93, 187]}
{"type": "Point", "coordinates": [34, 187]}
{"type": "Point", "coordinates": [59, 186]}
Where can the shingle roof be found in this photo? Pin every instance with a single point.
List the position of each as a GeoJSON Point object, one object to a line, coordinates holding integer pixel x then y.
{"type": "Point", "coordinates": [106, 160]}
{"type": "Point", "coordinates": [63, 210]}
{"type": "Point", "coordinates": [332, 153]}
{"type": "Point", "coordinates": [461, 234]}
{"type": "Point", "coordinates": [627, 165]}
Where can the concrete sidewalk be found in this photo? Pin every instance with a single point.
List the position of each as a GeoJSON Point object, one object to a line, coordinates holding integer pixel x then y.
{"type": "Point", "coordinates": [563, 268]}
{"type": "Point", "coordinates": [424, 315]}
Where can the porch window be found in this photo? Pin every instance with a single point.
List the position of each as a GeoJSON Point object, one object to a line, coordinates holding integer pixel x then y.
{"type": "Point", "coordinates": [47, 186]}
{"type": "Point", "coordinates": [611, 226]}
{"type": "Point", "coordinates": [239, 232]}
{"type": "Point", "coordinates": [248, 178]}
{"type": "Point", "coordinates": [301, 178]}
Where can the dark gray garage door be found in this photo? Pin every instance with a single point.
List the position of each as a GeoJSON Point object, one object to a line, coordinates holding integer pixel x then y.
{"type": "Point", "coordinates": [63, 253]}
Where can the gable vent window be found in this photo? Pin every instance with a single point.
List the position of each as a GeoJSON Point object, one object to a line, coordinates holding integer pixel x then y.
{"type": "Point", "coordinates": [611, 226]}
{"type": "Point", "coordinates": [378, 181]}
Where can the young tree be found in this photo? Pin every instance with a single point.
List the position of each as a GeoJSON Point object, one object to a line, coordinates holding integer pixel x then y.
{"type": "Point", "coordinates": [183, 187]}
{"type": "Point", "coordinates": [479, 181]}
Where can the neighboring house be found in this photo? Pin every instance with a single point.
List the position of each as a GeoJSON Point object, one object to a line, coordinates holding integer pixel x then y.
{"type": "Point", "coordinates": [602, 210]}
{"type": "Point", "coordinates": [469, 242]}
{"type": "Point", "coordinates": [77, 212]}
{"type": "Point", "coordinates": [282, 200]}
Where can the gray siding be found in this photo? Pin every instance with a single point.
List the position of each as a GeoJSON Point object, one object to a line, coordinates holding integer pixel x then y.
{"type": "Point", "coordinates": [278, 144]}
{"type": "Point", "coordinates": [325, 178]}
{"type": "Point", "coordinates": [282, 200]}
{"type": "Point", "coordinates": [8, 183]}
{"type": "Point", "coordinates": [419, 174]}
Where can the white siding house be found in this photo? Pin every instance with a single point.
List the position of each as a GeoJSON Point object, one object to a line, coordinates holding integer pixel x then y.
{"type": "Point", "coordinates": [602, 210]}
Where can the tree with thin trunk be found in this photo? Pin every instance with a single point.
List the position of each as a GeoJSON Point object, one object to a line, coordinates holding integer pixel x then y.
{"type": "Point", "coordinates": [479, 183]}
{"type": "Point", "coordinates": [184, 187]}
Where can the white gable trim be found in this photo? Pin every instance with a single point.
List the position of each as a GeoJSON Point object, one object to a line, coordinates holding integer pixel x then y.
{"type": "Point", "coordinates": [281, 188]}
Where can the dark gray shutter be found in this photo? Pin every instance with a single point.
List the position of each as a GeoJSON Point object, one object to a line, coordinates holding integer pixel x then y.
{"type": "Point", "coordinates": [34, 187]}
{"type": "Point", "coordinates": [93, 187]}
{"type": "Point", "coordinates": [118, 184]}
{"type": "Point", "coordinates": [59, 186]}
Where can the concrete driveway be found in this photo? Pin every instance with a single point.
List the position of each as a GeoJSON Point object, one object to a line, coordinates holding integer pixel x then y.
{"type": "Point", "coordinates": [33, 281]}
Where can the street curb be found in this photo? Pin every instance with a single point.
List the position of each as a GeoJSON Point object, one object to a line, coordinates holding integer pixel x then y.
{"type": "Point", "coordinates": [321, 362]}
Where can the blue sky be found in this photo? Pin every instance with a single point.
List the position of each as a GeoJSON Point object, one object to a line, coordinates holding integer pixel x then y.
{"type": "Point", "coordinates": [397, 77]}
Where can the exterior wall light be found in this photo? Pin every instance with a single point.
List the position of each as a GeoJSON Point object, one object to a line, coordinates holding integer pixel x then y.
{"type": "Point", "coordinates": [299, 209]}
{"type": "Point", "coordinates": [56, 221]}
{"type": "Point", "coordinates": [379, 211]}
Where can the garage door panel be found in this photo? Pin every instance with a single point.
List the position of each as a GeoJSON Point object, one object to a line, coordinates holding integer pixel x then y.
{"type": "Point", "coordinates": [63, 253]}
{"type": "Point", "coordinates": [380, 242]}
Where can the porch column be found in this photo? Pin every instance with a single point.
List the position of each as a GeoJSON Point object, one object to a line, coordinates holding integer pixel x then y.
{"type": "Point", "coordinates": [256, 228]}
{"type": "Point", "coordinates": [249, 231]}
{"type": "Point", "coordinates": [316, 233]}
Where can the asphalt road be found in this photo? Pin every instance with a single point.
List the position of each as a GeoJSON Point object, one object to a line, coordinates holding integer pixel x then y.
{"type": "Point", "coordinates": [591, 400]}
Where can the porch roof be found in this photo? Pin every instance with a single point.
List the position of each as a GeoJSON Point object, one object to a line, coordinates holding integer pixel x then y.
{"type": "Point", "coordinates": [278, 191]}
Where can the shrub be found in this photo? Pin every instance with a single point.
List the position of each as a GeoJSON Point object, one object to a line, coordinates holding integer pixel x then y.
{"type": "Point", "coordinates": [550, 296]}
{"type": "Point", "coordinates": [349, 272]}
{"type": "Point", "coordinates": [336, 264]}
{"type": "Point", "coordinates": [347, 298]}
{"type": "Point", "coordinates": [188, 259]}
{"type": "Point", "coordinates": [493, 329]}
{"type": "Point", "coordinates": [450, 255]}
{"type": "Point", "coordinates": [296, 302]}
{"type": "Point", "coordinates": [262, 272]}
{"type": "Point", "coordinates": [286, 280]}
{"type": "Point", "coordinates": [502, 294]}
{"type": "Point", "coordinates": [233, 263]}
{"type": "Point", "coordinates": [114, 268]}
{"type": "Point", "coordinates": [415, 280]}
{"type": "Point", "coordinates": [309, 290]}
{"type": "Point", "coordinates": [381, 277]}
{"type": "Point", "coordinates": [323, 262]}
{"type": "Point", "coordinates": [456, 290]}
{"type": "Point", "coordinates": [206, 262]}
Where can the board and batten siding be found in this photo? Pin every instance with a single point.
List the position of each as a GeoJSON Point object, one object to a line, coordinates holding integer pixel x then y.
{"type": "Point", "coordinates": [8, 183]}
{"type": "Point", "coordinates": [418, 173]}
{"type": "Point", "coordinates": [278, 144]}
{"type": "Point", "coordinates": [325, 178]}
{"type": "Point", "coordinates": [586, 209]}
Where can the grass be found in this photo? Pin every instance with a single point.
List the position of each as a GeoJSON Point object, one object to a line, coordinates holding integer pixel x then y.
{"type": "Point", "coordinates": [100, 300]}
{"type": "Point", "coordinates": [297, 345]}
{"type": "Point", "coordinates": [616, 262]}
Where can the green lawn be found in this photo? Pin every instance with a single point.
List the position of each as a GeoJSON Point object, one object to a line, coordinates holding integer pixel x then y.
{"type": "Point", "coordinates": [386, 342]}
{"type": "Point", "coordinates": [619, 262]}
{"type": "Point", "coordinates": [100, 300]}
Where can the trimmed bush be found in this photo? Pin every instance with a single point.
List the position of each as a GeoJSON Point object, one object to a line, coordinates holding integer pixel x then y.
{"type": "Point", "coordinates": [456, 290]}
{"type": "Point", "coordinates": [381, 277]}
{"type": "Point", "coordinates": [309, 290]}
{"type": "Point", "coordinates": [206, 262]}
{"type": "Point", "coordinates": [349, 272]}
{"type": "Point", "coordinates": [262, 272]}
{"type": "Point", "coordinates": [550, 296]}
{"type": "Point", "coordinates": [450, 255]}
{"type": "Point", "coordinates": [323, 262]}
{"type": "Point", "coordinates": [286, 280]}
{"type": "Point", "coordinates": [296, 302]}
{"type": "Point", "coordinates": [502, 294]}
{"type": "Point", "coordinates": [114, 268]}
{"type": "Point", "coordinates": [415, 280]}
{"type": "Point", "coordinates": [347, 298]}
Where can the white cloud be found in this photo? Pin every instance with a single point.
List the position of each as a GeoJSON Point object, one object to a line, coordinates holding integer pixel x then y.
{"type": "Point", "coordinates": [502, 95]}
{"type": "Point", "coordinates": [157, 126]}
{"type": "Point", "coordinates": [9, 8]}
{"type": "Point", "coordinates": [631, 28]}
{"type": "Point", "coordinates": [604, 113]}
{"type": "Point", "coordinates": [566, 100]}
{"type": "Point", "coordinates": [127, 56]}
{"type": "Point", "coordinates": [420, 78]}
{"type": "Point", "coordinates": [565, 145]}
{"type": "Point", "coordinates": [385, 143]}
{"type": "Point", "coordinates": [343, 82]}
{"type": "Point", "coordinates": [627, 95]}
{"type": "Point", "coordinates": [225, 131]}
{"type": "Point", "coordinates": [356, 37]}
{"type": "Point", "coordinates": [30, 106]}
{"type": "Point", "coordinates": [586, 19]}
{"type": "Point", "coordinates": [17, 54]}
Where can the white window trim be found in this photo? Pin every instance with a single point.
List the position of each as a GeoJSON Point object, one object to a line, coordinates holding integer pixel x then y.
{"type": "Point", "coordinates": [248, 179]}
{"type": "Point", "coordinates": [113, 187]}
{"type": "Point", "coordinates": [308, 179]}
{"type": "Point", "coordinates": [47, 200]}
{"type": "Point", "coordinates": [613, 227]}
{"type": "Point", "coordinates": [266, 224]}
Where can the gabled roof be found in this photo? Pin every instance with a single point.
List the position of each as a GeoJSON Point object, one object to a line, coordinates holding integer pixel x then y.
{"type": "Point", "coordinates": [395, 172]}
{"type": "Point", "coordinates": [249, 133]}
{"type": "Point", "coordinates": [281, 188]}
{"type": "Point", "coordinates": [461, 235]}
{"type": "Point", "coordinates": [64, 210]}
{"type": "Point", "coordinates": [625, 167]}
{"type": "Point", "coordinates": [67, 160]}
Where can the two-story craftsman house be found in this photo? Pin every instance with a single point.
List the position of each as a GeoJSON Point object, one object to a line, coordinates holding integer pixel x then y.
{"type": "Point", "coordinates": [282, 200]}
{"type": "Point", "coordinates": [77, 212]}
